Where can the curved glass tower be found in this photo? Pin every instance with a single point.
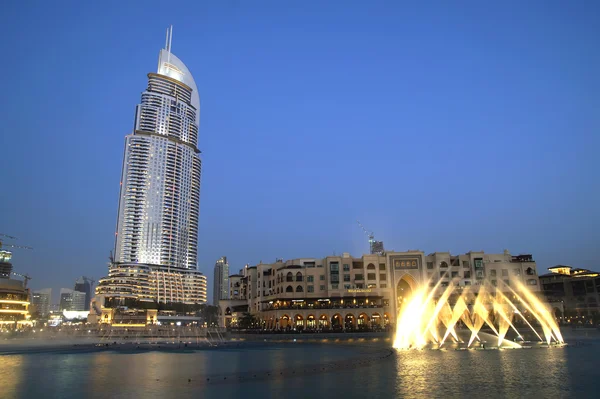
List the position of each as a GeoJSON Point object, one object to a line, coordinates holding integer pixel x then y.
{"type": "Point", "coordinates": [160, 192]}
{"type": "Point", "coordinates": [157, 224]}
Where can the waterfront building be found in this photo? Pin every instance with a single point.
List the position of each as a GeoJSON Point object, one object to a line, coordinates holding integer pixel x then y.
{"type": "Point", "coordinates": [573, 293]}
{"type": "Point", "coordinates": [14, 295]}
{"type": "Point", "coordinates": [155, 257]}
{"type": "Point", "coordinates": [72, 300]}
{"type": "Point", "coordinates": [41, 301]}
{"type": "Point", "coordinates": [221, 280]}
{"type": "Point", "coordinates": [344, 292]}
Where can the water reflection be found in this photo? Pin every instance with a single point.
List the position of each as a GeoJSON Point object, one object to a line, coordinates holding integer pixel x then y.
{"type": "Point", "coordinates": [11, 374]}
{"type": "Point", "coordinates": [508, 373]}
{"type": "Point", "coordinates": [503, 373]}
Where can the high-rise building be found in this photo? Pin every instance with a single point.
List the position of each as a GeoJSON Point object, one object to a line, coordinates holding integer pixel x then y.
{"type": "Point", "coordinates": [221, 280]}
{"type": "Point", "coordinates": [157, 226]}
{"type": "Point", "coordinates": [83, 284]}
{"type": "Point", "coordinates": [72, 300]}
{"type": "Point", "coordinates": [41, 301]}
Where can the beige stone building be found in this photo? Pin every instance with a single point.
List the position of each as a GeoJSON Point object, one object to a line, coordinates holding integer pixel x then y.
{"type": "Point", "coordinates": [347, 293]}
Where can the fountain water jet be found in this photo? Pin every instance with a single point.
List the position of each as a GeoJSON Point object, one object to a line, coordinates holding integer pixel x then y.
{"type": "Point", "coordinates": [421, 315]}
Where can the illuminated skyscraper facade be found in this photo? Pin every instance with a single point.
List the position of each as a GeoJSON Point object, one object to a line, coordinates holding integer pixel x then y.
{"type": "Point", "coordinates": [157, 225]}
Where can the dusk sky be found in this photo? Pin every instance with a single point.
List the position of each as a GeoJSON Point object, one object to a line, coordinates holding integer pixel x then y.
{"type": "Point", "coordinates": [445, 126]}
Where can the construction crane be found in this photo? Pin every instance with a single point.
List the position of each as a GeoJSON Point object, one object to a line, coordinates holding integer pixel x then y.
{"type": "Point", "coordinates": [26, 278]}
{"type": "Point", "coordinates": [375, 247]}
{"type": "Point", "coordinates": [11, 245]}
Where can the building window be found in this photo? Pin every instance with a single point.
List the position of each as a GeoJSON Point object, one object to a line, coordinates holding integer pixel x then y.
{"type": "Point", "coordinates": [383, 285]}
{"type": "Point", "coordinates": [517, 272]}
{"type": "Point", "coordinates": [322, 277]}
{"type": "Point", "coordinates": [382, 277]}
{"type": "Point", "coordinates": [299, 289]}
{"type": "Point", "coordinates": [358, 265]}
{"type": "Point", "coordinates": [506, 282]}
{"type": "Point", "coordinates": [298, 276]}
{"type": "Point", "coordinates": [466, 264]}
{"type": "Point", "coordinates": [532, 281]}
{"type": "Point", "coordinates": [310, 279]}
{"type": "Point", "coordinates": [311, 288]}
{"type": "Point", "coordinates": [289, 277]}
{"type": "Point", "coordinates": [467, 283]}
{"type": "Point", "coordinates": [289, 289]}
{"type": "Point", "coordinates": [382, 266]}
{"type": "Point", "coordinates": [442, 274]}
{"type": "Point", "coordinates": [443, 264]}
{"type": "Point", "coordinates": [504, 272]}
{"type": "Point", "coordinates": [467, 274]}
{"type": "Point", "coordinates": [454, 274]}
{"type": "Point", "coordinates": [430, 265]}
{"type": "Point", "coordinates": [370, 266]}
{"type": "Point", "coordinates": [334, 267]}
{"type": "Point", "coordinates": [321, 288]}
{"type": "Point", "coordinates": [493, 273]}
{"type": "Point", "coordinates": [346, 286]}
{"type": "Point", "coordinates": [346, 267]}
{"type": "Point", "coordinates": [346, 277]}
{"type": "Point", "coordinates": [359, 277]}
{"type": "Point", "coordinates": [334, 286]}
{"type": "Point", "coordinates": [371, 285]}
{"type": "Point", "coordinates": [371, 276]}
{"type": "Point", "coordinates": [494, 283]}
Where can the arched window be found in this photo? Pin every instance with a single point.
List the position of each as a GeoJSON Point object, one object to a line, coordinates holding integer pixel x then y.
{"type": "Point", "coordinates": [299, 289]}
{"type": "Point", "coordinates": [298, 276]}
{"type": "Point", "coordinates": [290, 277]}
{"type": "Point", "coordinates": [443, 264]}
{"type": "Point", "coordinates": [289, 289]}
{"type": "Point", "coordinates": [371, 266]}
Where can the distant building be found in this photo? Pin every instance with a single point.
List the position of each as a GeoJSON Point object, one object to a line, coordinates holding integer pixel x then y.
{"type": "Point", "coordinates": [84, 285]}
{"type": "Point", "coordinates": [573, 293]}
{"type": "Point", "coordinates": [41, 301]}
{"type": "Point", "coordinates": [14, 296]}
{"type": "Point", "coordinates": [344, 292]}
{"type": "Point", "coordinates": [5, 265]}
{"type": "Point", "coordinates": [221, 280]}
{"type": "Point", "coordinates": [72, 300]}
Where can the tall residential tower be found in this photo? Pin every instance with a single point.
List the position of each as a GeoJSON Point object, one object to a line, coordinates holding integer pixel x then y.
{"type": "Point", "coordinates": [221, 280]}
{"type": "Point", "coordinates": [156, 246]}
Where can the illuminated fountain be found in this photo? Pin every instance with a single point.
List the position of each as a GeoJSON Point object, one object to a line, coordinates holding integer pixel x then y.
{"type": "Point", "coordinates": [425, 319]}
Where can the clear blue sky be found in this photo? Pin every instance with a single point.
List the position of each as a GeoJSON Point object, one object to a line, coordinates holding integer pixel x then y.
{"type": "Point", "coordinates": [444, 126]}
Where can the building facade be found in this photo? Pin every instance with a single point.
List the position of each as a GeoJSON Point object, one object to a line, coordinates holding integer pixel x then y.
{"type": "Point", "coordinates": [41, 301]}
{"type": "Point", "coordinates": [343, 292]}
{"type": "Point", "coordinates": [573, 293]}
{"type": "Point", "coordinates": [83, 284]}
{"type": "Point", "coordinates": [221, 280]}
{"type": "Point", "coordinates": [157, 226]}
{"type": "Point", "coordinates": [72, 300]}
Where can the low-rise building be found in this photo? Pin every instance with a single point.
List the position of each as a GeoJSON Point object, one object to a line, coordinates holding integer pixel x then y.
{"type": "Point", "coordinates": [344, 292]}
{"type": "Point", "coordinates": [573, 293]}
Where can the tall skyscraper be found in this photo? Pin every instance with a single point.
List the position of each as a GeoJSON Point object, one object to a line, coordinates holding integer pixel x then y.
{"type": "Point", "coordinates": [157, 225]}
{"type": "Point", "coordinates": [221, 280]}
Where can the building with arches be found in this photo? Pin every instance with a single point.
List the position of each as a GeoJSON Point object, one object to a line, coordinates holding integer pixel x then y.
{"type": "Point", "coordinates": [349, 293]}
